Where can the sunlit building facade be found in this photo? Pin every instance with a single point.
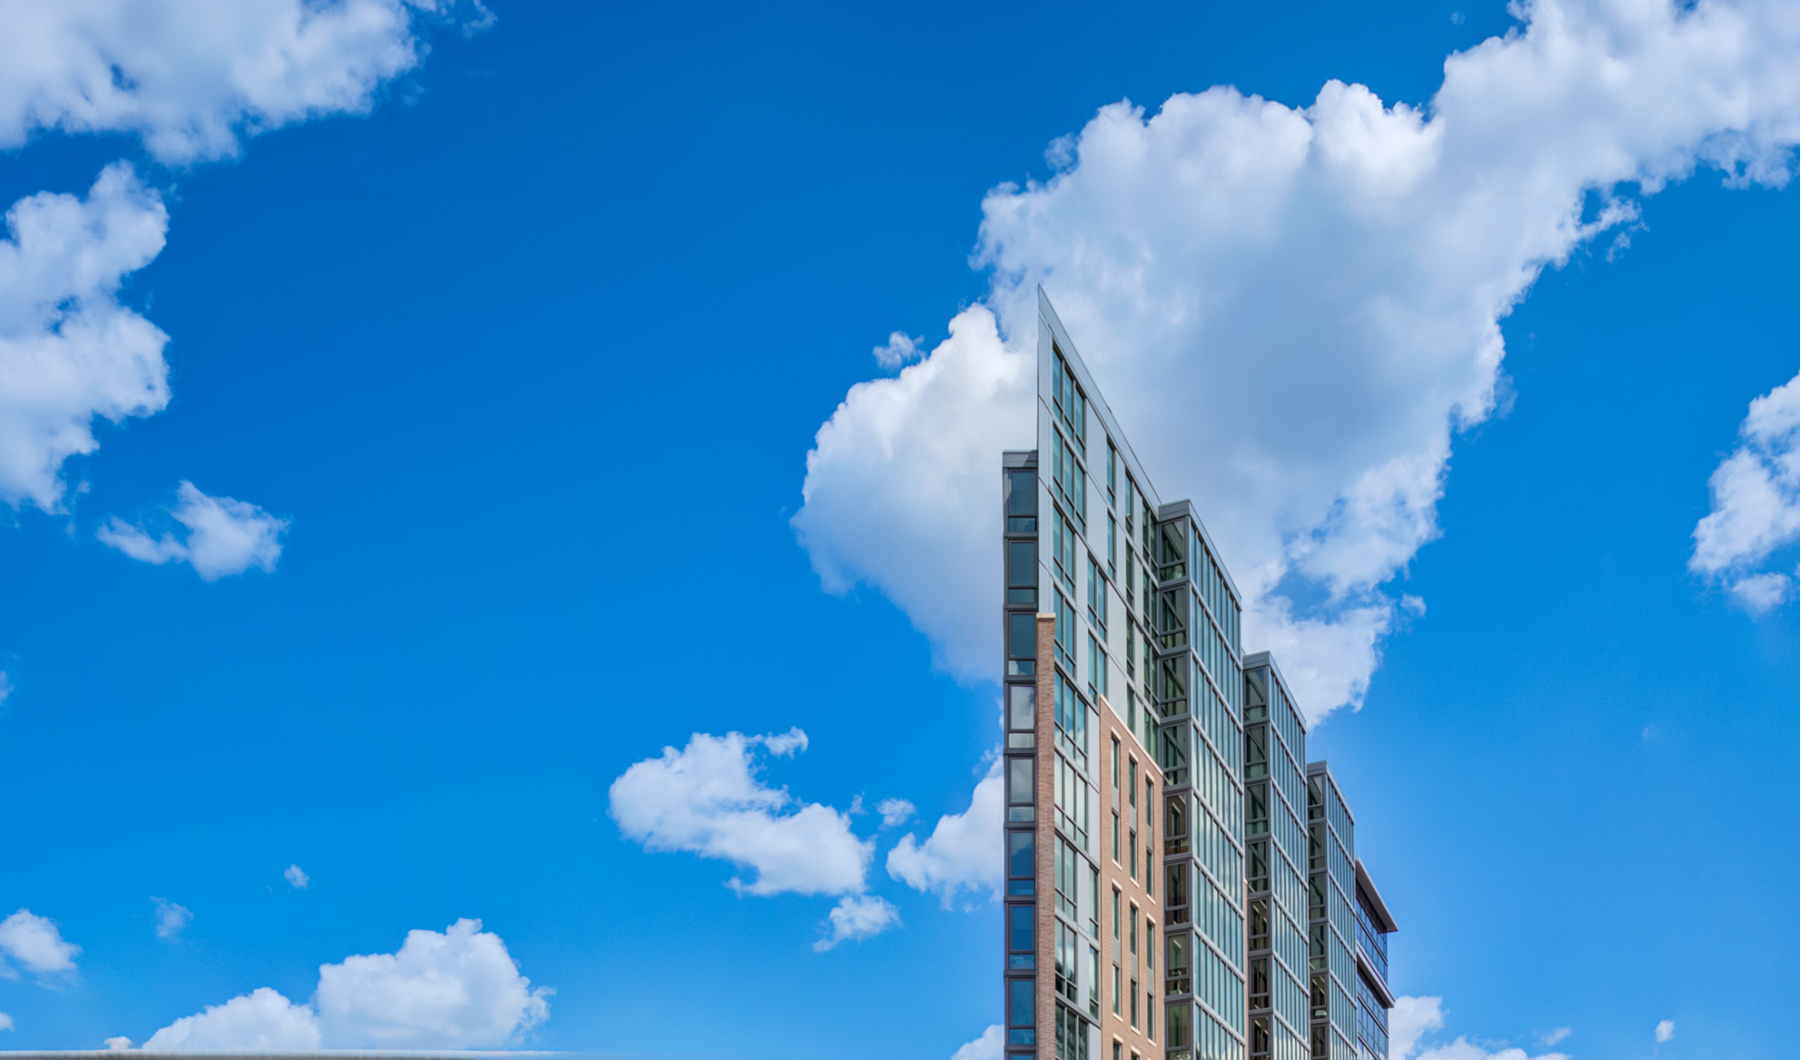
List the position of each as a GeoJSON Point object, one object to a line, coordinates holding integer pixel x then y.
{"type": "Point", "coordinates": [1157, 807]}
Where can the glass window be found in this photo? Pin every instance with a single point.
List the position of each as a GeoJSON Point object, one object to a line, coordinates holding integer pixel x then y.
{"type": "Point", "coordinates": [1021, 704]}
{"type": "Point", "coordinates": [1021, 502]}
{"type": "Point", "coordinates": [1118, 994]}
{"type": "Point", "coordinates": [1021, 572]}
{"type": "Point", "coordinates": [1094, 982]}
{"type": "Point", "coordinates": [1018, 781]}
{"type": "Point", "coordinates": [1022, 936]}
{"type": "Point", "coordinates": [1115, 914]}
{"type": "Point", "coordinates": [1177, 891]}
{"type": "Point", "coordinates": [1256, 699]}
{"type": "Point", "coordinates": [1021, 854]}
{"type": "Point", "coordinates": [1112, 542]}
{"type": "Point", "coordinates": [1177, 1018]}
{"type": "Point", "coordinates": [1257, 822]}
{"type": "Point", "coordinates": [1096, 599]}
{"type": "Point", "coordinates": [1115, 838]}
{"type": "Point", "coordinates": [1259, 924]}
{"type": "Point", "coordinates": [1259, 865]}
{"type": "Point", "coordinates": [1175, 828]}
{"type": "Point", "coordinates": [1093, 904]}
{"type": "Point", "coordinates": [1022, 1012]}
{"type": "Point", "coordinates": [1065, 632]}
{"type": "Point", "coordinates": [1256, 752]}
{"type": "Point", "coordinates": [1132, 868]}
{"type": "Point", "coordinates": [1021, 635]}
{"type": "Point", "coordinates": [1112, 470]}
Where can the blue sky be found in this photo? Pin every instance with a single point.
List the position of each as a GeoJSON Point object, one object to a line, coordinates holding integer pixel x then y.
{"type": "Point", "coordinates": [497, 378]}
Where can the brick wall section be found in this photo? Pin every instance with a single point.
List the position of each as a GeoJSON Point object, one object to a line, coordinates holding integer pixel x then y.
{"type": "Point", "coordinates": [1118, 1028]}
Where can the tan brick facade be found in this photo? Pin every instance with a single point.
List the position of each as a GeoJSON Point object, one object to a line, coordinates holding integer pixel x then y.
{"type": "Point", "coordinates": [1140, 1041]}
{"type": "Point", "coordinates": [1144, 1040]}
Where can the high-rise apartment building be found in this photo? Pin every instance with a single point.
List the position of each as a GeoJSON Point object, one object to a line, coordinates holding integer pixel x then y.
{"type": "Point", "coordinates": [1160, 822]}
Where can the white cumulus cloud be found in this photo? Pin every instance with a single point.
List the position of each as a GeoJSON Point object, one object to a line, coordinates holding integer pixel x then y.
{"type": "Point", "coordinates": [1665, 1031]}
{"type": "Point", "coordinates": [170, 918]}
{"type": "Point", "coordinates": [1294, 311]}
{"type": "Point", "coordinates": [986, 1047]}
{"type": "Point", "coordinates": [962, 852]}
{"type": "Point", "coordinates": [455, 989]}
{"type": "Point", "coordinates": [1410, 1020]}
{"type": "Point", "coordinates": [261, 1020]}
{"type": "Point", "coordinates": [70, 351]}
{"type": "Point", "coordinates": [190, 77]}
{"type": "Point", "coordinates": [857, 917]}
{"type": "Point", "coordinates": [1755, 503]}
{"type": "Point", "coordinates": [707, 799]}
{"type": "Point", "coordinates": [6, 1022]}
{"type": "Point", "coordinates": [35, 944]}
{"type": "Point", "coordinates": [296, 877]}
{"type": "Point", "coordinates": [224, 536]}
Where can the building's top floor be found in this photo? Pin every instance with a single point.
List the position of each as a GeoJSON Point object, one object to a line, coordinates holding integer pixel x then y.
{"type": "Point", "coordinates": [1370, 900]}
{"type": "Point", "coordinates": [1266, 696]}
{"type": "Point", "coordinates": [1325, 799]}
{"type": "Point", "coordinates": [1084, 430]}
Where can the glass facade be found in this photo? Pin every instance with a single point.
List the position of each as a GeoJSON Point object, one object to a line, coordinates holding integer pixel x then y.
{"type": "Point", "coordinates": [1331, 883]}
{"type": "Point", "coordinates": [1194, 677]}
{"type": "Point", "coordinates": [1275, 780]}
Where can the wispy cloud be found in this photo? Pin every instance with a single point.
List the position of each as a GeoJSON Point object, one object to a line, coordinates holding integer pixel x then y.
{"type": "Point", "coordinates": [857, 917]}
{"type": "Point", "coordinates": [894, 812]}
{"type": "Point", "coordinates": [224, 536]}
{"type": "Point", "coordinates": [170, 918]}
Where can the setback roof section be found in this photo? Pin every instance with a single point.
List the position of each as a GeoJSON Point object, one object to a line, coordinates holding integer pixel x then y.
{"type": "Point", "coordinates": [1264, 658]}
{"type": "Point", "coordinates": [1383, 919]}
{"type": "Point", "coordinates": [1320, 767]}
